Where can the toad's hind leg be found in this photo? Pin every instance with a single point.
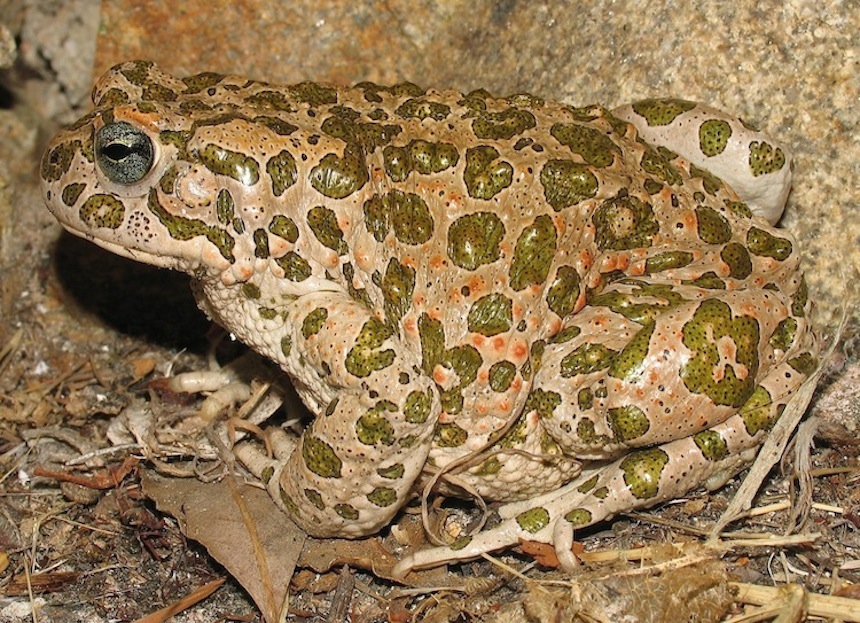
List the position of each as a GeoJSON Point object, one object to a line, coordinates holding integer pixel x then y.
{"type": "Point", "coordinates": [641, 479]}
{"type": "Point", "coordinates": [354, 465]}
{"type": "Point", "coordinates": [652, 444]}
{"type": "Point", "coordinates": [757, 166]}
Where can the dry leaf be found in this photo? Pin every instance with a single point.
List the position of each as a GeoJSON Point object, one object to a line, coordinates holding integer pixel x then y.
{"type": "Point", "coordinates": [241, 528]}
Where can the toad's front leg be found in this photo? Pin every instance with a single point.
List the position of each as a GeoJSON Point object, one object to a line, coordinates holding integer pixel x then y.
{"type": "Point", "coordinates": [355, 464]}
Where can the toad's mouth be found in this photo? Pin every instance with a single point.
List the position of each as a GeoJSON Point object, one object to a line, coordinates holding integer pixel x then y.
{"type": "Point", "coordinates": [133, 253]}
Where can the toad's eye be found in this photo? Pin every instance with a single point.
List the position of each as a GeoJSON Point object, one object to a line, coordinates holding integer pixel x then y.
{"type": "Point", "coordinates": [124, 153]}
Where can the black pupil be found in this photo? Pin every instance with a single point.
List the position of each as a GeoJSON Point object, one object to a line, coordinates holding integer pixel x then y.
{"type": "Point", "coordinates": [117, 151]}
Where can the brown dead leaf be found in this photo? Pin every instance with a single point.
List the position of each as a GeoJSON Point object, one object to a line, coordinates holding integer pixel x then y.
{"type": "Point", "coordinates": [241, 528]}
{"type": "Point", "coordinates": [543, 553]}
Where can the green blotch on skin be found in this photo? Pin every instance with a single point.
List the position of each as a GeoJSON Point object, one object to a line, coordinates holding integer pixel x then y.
{"type": "Point", "coordinates": [323, 223]}
{"type": "Point", "coordinates": [261, 243]}
{"type": "Point", "coordinates": [588, 485]}
{"type": "Point", "coordinates": [761, 242]}
{"type": "Point", "coordinates": [315, 498]}
{"type": "Point", "coordinates": [501, 375]}
{"type": "Point", "coordinates": [658, 163]}
{"type": "Point", "coordinates": [629, 364]}
{"type": "Point", "coordinates": [799, 299]}
{"type": "Point", "coordinates": [432, 337]}
{"type": "Point", "coordinates": [756, 411]}
{"type": "Point", "coordinates": [338, 177]}
{"type": "Point", "coordinates": [284, 227]}
{"type": "Point", "coordinates": [417, 407]}
{"type": "Point", "coordinates": [112, 97]}
{"type": "Point", "coordinates": [489, 467]}
{"type": "Point", "coordinates": [491, 315]}
{"type": "Point", "coordinates": [711, 444]}
{"type": "Point", "coordinates": [624, 222]}
{"type": "Point", "coordinates": [804, 363]}
{"type": "Point", "coordinates": [459, 543]}
{"type": "Point", "coordinates": [706, 372]}
{"type": "Point", "coordinates": [503, 125]}
{"type": "Point", "coordinates": [587, 358]}
{"type": "Point", "coordinates": [358, 294]}
{"type": "Point", "coordinates": [737, 258]}
{"type": "Point", "coordinates": [661, 111]}
{"type": "Point", "coordinates": [406, 213]}
{"type": "Point", "coordinates": [267, 313]}
{"type": "Point", "coordinates": [382, 497]}
{"type": "Point", "coordinates": [542, 401]}
{"type": "Point", "coordinates": [533, 254]}
{"type": "Point", "coordinates": [566, 183]}
{"type": "Point", "coordinates": [714, 135]}
{"type": "Point", "coordinates": [585, 399]}
{"type": "Point", "coordinates": [710, 182]}
{"type": "Point", "coordinates": [533, 520]}
{"type": "Point", "coordinates": [181, 228]}
{"type": "Point", "coordinates": [294, 266]}
{"type": "Point", "coordinates": [314, 322]}
{"type": "Point", "coordinates": [136, 72]}
{"type": "Point", "coordinates": [590, 144]}
{"type": "Point", "coordinates": [485, 175]}
{"type": "Point", "coordinates": [420, 108]}
{"type": "Point", "coordinates": [474, 239]}
{"type": "Point", "coordinates": [564, 291]}
{"type": "Point", "coordinates": [628, 423]}
{"type": "Point", "coordinates": [251, 290]}
{"type": "Point", "coordinates": [225, 207]}
{"type": "Point", "coordinates": [738, 208]}
{"type": "Point", "coordinates": [398, 285]}
{"type": "Point", "coordinates": [269, 100]}
{"type": "Point", "coordinates": [365, 357]}
{"type": "Point", "coordinates": [56, 162]}
{"type": "Point", "coordinates": [465, 361]}
{"type": "Point", "coordinates": [642, 470]}
{"type": "Point", "coordinates": [764, 158]}
{"type": "Point", "coordinates": [286, 345]}
{"type": "Point", "coordinates": [200, 82]}
{"type": "Point", "coordinates": [419, 156]}
{"type": "Point", "coordinates": [102, 211]}
{"type": "Point", "coordinates": [320, 458]}
{"type": "Point", "coordinates": [659, 297]}
{"type": "Point", "coordinates": [347, 511]}
{"type": "Point", "coordinates": [291, 507]}
{"type": "Point", "coordinates": [374, 426]}
{"type": "Point", "coordinates": [368, 136]}
{"type": "Point", "coordinates": [565, 335]}
{"type": "Point", "coordinates": [667, 261]}
{"type": "Point", "coordinates": [236, 165]}
{"type": "Point", "coordinates": [410, 217]}
{"type": "Point", "coordinates": [313, 93]}
{"type": "Point", "coordinates": [578, 517]}
{"type": "Point", "coordinates": [712, 226]}
{"type": "Point", "coordinates": [393, 472]}
{"type": "Point", "coordinates": [278, 126]}
{"type": "Point", "coordinates": [784, 334]}
{"type": "Point", "coordinates": [282, 170]}
{"type": "Point", "coordinates": [708, 281]}
{"type": "Point", "coordinates": [449, 436]}
{"type": "Point", "coordinates": [167, 183]}
{"type": "Point", "coordinates": [72, 192]}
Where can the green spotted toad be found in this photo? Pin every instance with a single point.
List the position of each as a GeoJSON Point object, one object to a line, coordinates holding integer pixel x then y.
{"type": "Point", "coordinates": [569, 310]}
